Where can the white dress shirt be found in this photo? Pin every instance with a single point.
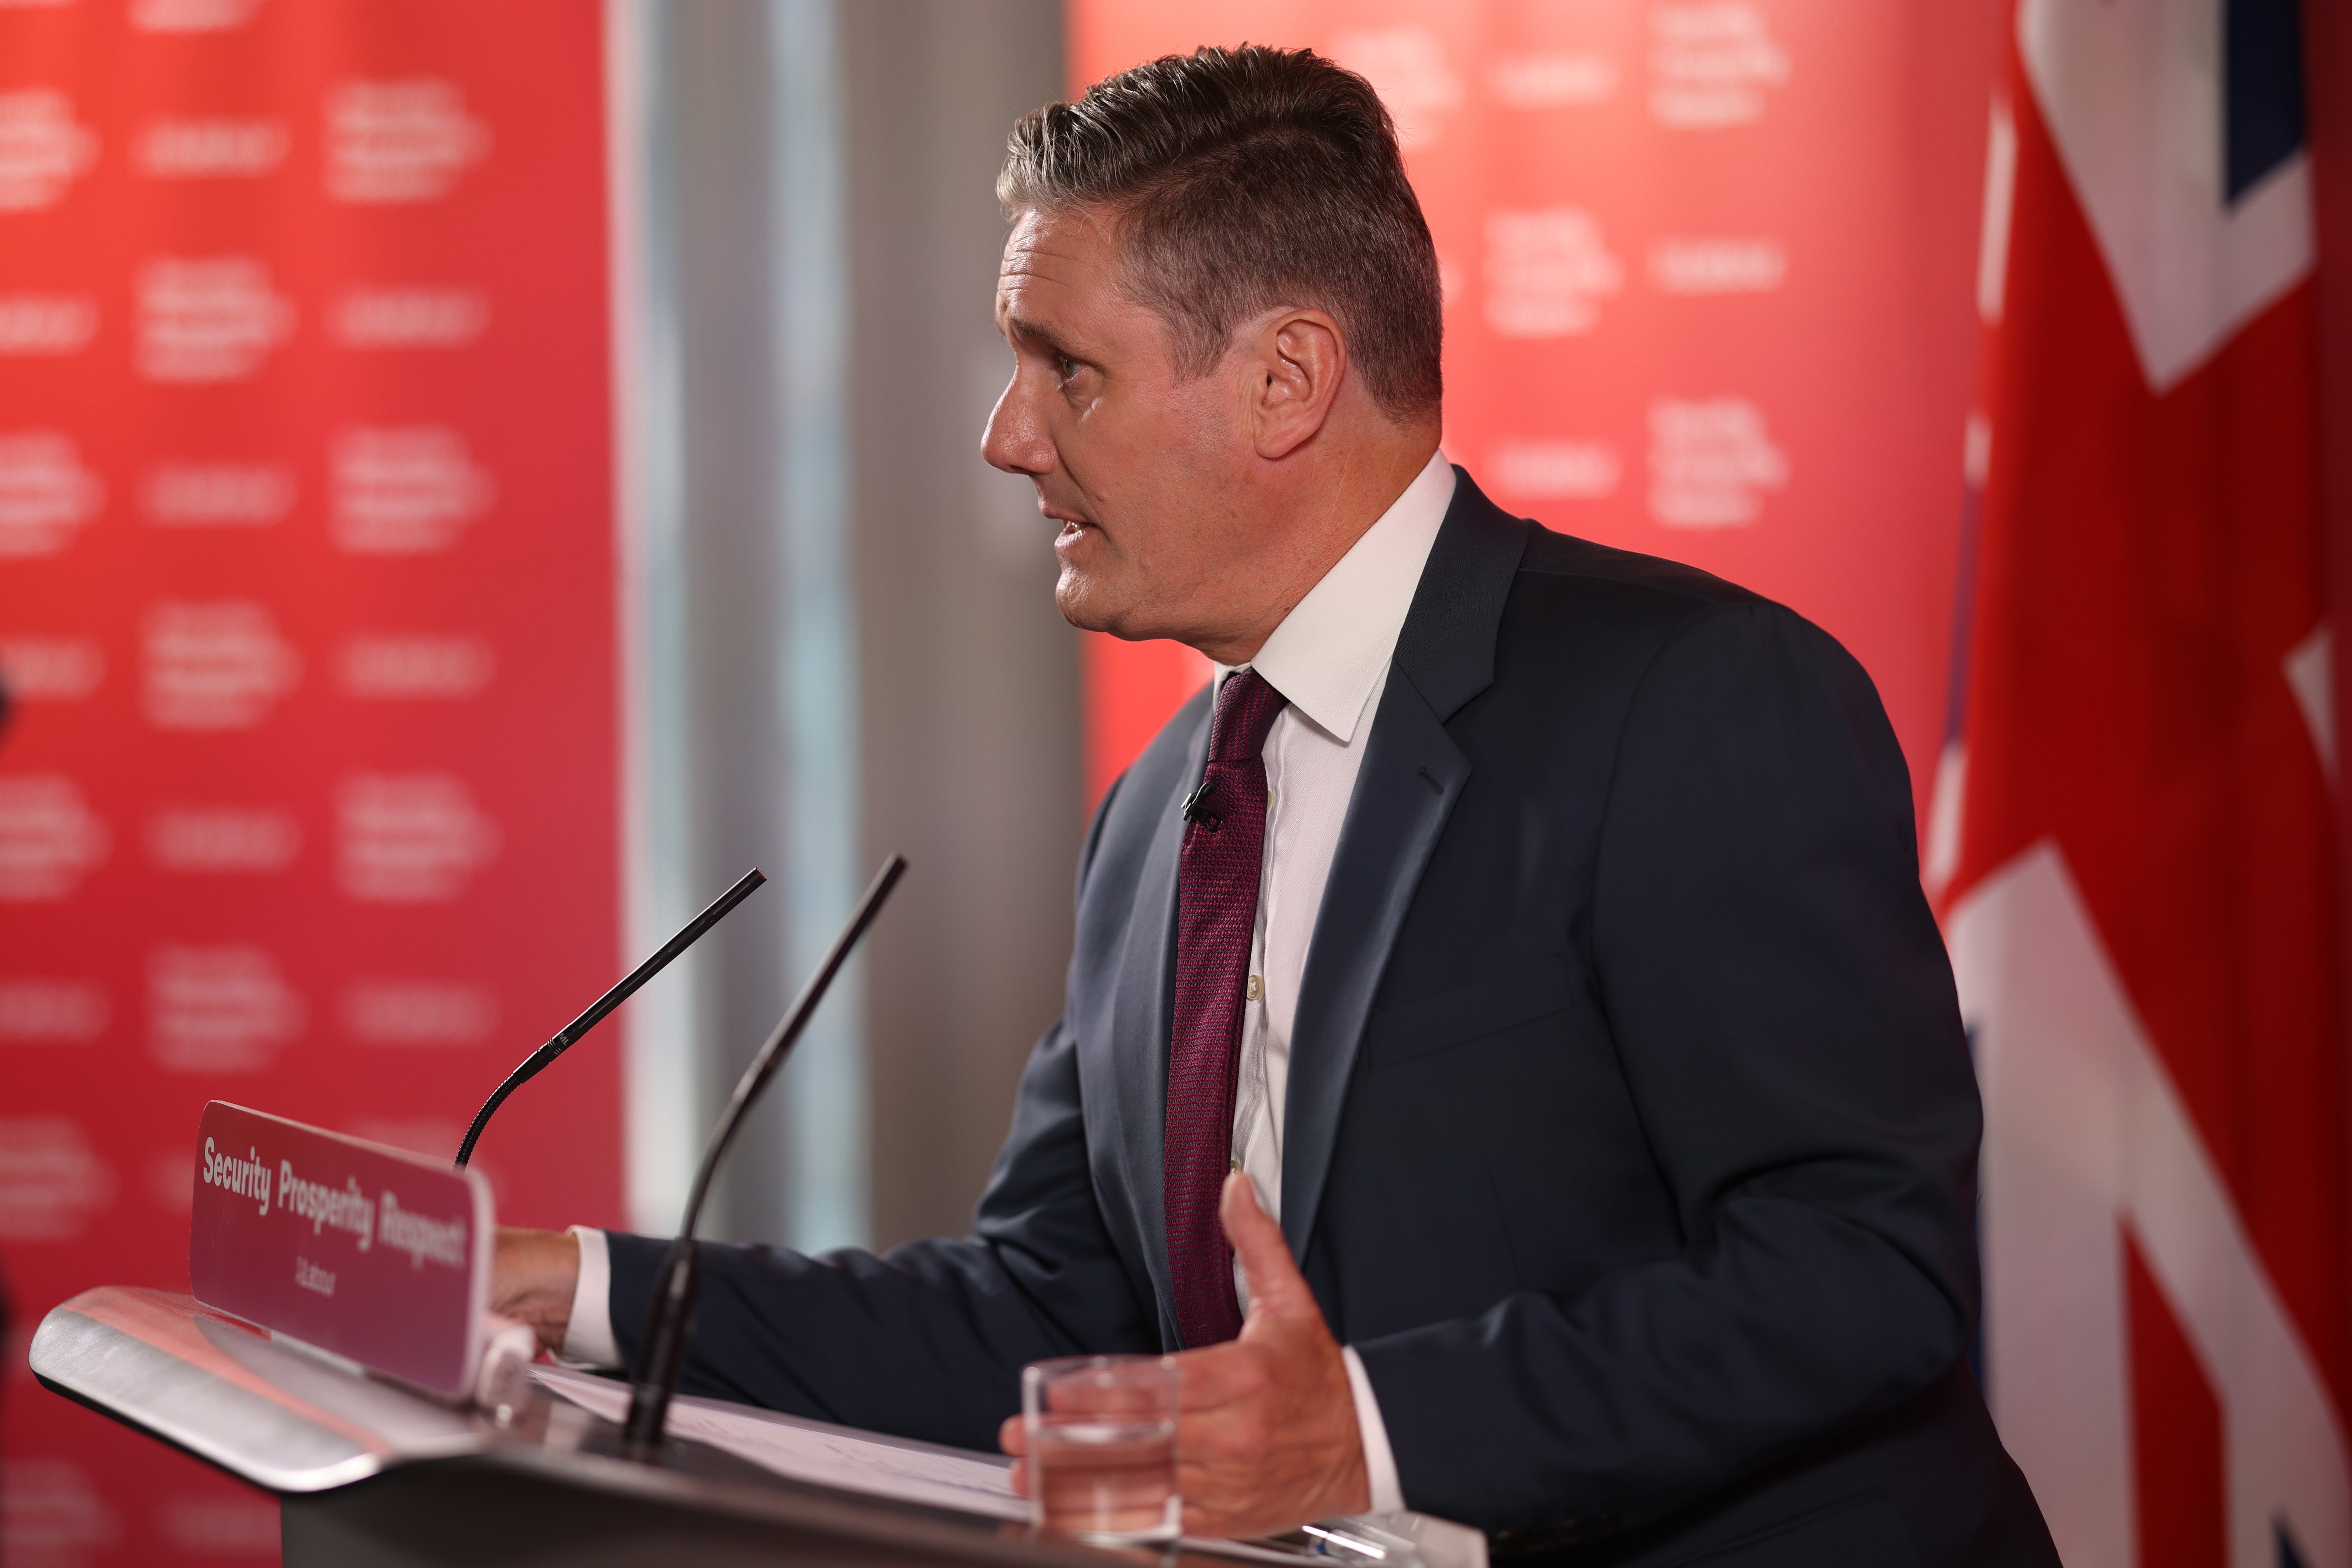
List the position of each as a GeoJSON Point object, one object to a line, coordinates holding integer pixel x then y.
{"type": "Point", "coordinates": [1331, 657]}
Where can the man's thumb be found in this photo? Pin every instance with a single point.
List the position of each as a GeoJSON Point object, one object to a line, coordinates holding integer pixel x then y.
{"type": "Point", "coordinates": [1275, 1286]}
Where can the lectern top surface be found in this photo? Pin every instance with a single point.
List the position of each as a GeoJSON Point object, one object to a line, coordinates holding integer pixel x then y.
{"type": "Point", "coordinates": [226, 1391]}
{"type": "Point", "coordinates": [286, 1419]}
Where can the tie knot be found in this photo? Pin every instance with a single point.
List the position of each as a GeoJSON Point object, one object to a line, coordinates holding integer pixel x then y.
{"type": "Point", "coordinates": [1246, 709]}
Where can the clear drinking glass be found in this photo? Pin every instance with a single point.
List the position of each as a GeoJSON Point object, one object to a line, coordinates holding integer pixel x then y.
{"type": "Point", "coordinates": [1102, 1447]}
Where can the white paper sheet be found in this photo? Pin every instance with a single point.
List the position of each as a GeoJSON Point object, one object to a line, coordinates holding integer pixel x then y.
{"type": "Point", "coordinates": [814, 1452]}
{"type": "Point", "coordinates": [979, 1483]}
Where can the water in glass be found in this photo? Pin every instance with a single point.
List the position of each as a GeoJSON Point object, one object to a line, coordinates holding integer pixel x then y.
{"type": "Point", "coordinates": [1102, 1448]}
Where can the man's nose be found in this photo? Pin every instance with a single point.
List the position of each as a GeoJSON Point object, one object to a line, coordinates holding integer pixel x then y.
{"type": "Point", "coordinates": [1015, 439]}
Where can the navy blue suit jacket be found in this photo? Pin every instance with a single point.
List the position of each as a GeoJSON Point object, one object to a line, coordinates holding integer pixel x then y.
{"type": "Point", "coordinates": [1632, 1132]}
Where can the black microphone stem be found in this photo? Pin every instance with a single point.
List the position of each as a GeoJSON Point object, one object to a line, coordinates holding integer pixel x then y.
{"type": "Point", "coordinates": [537, 1061]}
{"type": "Point", "coordinates": [670, 1319]}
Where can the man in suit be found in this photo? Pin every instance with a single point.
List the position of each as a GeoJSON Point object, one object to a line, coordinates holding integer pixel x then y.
{"type": "Point", "coordinates": [1532, 930]}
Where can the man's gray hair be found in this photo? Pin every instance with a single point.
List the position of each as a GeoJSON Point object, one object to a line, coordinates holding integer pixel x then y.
{"type": "Point", "coordinates": [1243, 180]}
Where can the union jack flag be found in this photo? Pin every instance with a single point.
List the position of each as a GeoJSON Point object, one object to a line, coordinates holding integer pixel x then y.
{"type": "Point", "coordinates": [2131, 839]}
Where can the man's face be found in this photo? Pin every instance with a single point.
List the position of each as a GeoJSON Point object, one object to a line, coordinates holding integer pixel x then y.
{"type": "Point", "coordinates": [1145, 473]}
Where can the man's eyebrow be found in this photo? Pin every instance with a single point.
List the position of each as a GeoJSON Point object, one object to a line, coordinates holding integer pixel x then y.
{"type": "Point", "coordinates": [1030, 331]}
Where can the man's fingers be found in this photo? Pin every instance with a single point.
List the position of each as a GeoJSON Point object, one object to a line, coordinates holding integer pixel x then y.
{"type": "Point", "coordinates": [1277, 1288]}
{"type": "Point", "coordinates": [533, 1276]}
{"type": "Point", "coordinates": [1012, 1437]}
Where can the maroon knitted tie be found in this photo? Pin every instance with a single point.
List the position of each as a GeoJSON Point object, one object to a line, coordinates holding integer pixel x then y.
{"type": "Point", "coordinates": [1216, 912]}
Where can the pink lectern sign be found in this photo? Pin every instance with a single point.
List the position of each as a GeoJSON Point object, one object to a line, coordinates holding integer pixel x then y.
{"type": "Point", "coordinates": [376, 1255]}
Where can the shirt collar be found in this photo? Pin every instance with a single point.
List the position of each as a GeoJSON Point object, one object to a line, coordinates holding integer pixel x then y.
{"type": "Point", "coordinates": [1330, 650]}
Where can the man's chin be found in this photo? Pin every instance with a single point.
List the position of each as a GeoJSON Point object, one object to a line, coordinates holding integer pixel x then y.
{"type": "Point", "coordinates": [1092, 604]}
{"type": "Point", "coordinates": [1086, 604]}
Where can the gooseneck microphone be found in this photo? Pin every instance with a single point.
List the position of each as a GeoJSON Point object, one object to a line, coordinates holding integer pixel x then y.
{"type": "Point", "coordinates": [670, 1319]}
{"type": "Point", "coordinates": [536, 1062]}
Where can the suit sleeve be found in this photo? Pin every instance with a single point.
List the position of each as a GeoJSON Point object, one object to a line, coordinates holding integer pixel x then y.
{"type": "Point", "coordinates": [1783, 1011]}
{"type": "Point", "coordinates": [926, 1340]}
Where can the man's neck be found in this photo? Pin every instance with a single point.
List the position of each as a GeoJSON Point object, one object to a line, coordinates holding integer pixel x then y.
{"type": "Point", "coordinates": [1338, 506]}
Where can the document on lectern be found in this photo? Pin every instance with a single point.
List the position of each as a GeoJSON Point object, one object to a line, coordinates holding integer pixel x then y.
{"type": "Point", "coordinates": [900, 1469]}
{"type": "Point", "coordinates": [905, 1470]}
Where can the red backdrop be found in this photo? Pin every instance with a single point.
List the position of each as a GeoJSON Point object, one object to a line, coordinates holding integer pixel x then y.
{"type": "Point", "coordinates": [1710, 271]}
{"type": "Point", "coordinates": [307, 596]}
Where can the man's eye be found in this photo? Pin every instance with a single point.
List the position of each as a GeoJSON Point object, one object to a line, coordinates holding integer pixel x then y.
{"type": "Point", "coordinates": [1065, 366]}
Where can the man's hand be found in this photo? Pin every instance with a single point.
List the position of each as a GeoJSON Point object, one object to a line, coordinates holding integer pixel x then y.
{"type": "Point", "coordinates": [533, 1274]}
{"type": "Point", "coordinates": [1265, 1433]}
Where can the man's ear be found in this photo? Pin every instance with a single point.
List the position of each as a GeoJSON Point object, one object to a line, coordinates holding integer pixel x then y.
{"type": "Point", "coordinates": [1295, 374]}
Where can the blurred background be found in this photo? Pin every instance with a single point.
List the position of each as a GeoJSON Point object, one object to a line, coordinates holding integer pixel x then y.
{"type": "Point", "coordinates": [474, 479]}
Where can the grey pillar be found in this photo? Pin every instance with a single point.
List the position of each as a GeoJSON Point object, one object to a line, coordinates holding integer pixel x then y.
{"type": "Point", "coordinates": [970, 710]}
{"type": "Point", "coordinates": [844, 642]}
{"type": "Point", "coordinates": [744, 652]}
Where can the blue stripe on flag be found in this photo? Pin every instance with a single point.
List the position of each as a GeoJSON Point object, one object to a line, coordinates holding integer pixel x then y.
{"type": "Point", "coordinates": [2263, 48]}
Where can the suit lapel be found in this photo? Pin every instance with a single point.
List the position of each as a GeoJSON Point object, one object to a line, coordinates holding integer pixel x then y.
{"type": "Point", "coordinates": [1412, 776]}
